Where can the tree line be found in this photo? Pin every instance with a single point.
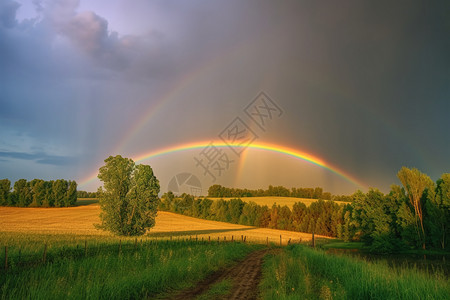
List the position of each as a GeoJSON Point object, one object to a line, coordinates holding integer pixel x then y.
{"type": "Point", "coordinates": [414, 216]}
{"type": "Point", "coordinates": [218, 191]}
{"type": "Point", "coordinates": [321, 217]}
{"type": "Point", "coordinates": [84, 194]}
{"type": "Point", "coordinates": [38, 193]}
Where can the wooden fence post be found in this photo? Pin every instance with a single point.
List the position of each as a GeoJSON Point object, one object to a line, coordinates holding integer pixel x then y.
{"type": "Point", "coordinates": [267, 240]}
{"type": "Point", "coordinates": [209, 238]}
{"type": "Point", "coordinates": [6, 257]}
{"type": "Point", "coordinates": [245, 238]}
{"type": "Point", "coordinates": [280, 239]}
{"type": "Point", "coordinates": [313, 240]}
{"type": "Point", "coordinates": [232, 238]}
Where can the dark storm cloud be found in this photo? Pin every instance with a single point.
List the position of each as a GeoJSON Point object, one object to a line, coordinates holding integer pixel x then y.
{"type": "Point", "coordinates": [365, 85]}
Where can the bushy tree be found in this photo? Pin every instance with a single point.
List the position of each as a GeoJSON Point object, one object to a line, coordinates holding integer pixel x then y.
{"type": "Point", "coordinates": [5, 189]}
{"type": "Point", "coordinates": [129, 197]}
{"type": "Point", "coordinates": [415, 184]}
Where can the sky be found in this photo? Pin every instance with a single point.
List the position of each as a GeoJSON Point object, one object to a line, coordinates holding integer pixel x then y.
{"type": "Point", "coordinates": [333, 94]}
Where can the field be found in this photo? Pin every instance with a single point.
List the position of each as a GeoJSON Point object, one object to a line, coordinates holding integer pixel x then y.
{"type": "Point", "coordinates": [57, 253]}
{"type": "Point", "coordinates": [270, 200]}
{"type": "Point", "coordinates": [298, 272]}
{"type": "Point", "coordinates": [80, 220]}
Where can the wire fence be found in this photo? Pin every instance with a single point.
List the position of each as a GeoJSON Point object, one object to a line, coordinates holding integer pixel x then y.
{"type": "Point", "coordinates": [14, 257]}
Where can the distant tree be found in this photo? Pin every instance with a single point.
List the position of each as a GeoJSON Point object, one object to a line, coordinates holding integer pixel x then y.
{"type": "Point", "coordinates": [129, 196]}
{"type": "Point", "coordinates": [38, 192]}
{"type": "Point", "coordinates": [5, 189]}
{"type": "Point", "coordinates": [22, 192]}
{"type": "Point", "coordinates": [415, 184]}
{"type": "Point", "coordinates": [71, 197]}
{"type": "Point", "coordinates": [59, 190]}
{"type": "Point", "coordinates": [441, 214]}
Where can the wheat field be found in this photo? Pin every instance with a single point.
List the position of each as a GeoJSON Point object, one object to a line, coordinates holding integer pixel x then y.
{"type": "Point", "coordinates": [270, 200]}
{"type": "Point", "coordinates": [80, 220]}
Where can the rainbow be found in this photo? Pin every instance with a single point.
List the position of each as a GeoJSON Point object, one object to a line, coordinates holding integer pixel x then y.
{"type": "Point", "coordinates": [259, 146]}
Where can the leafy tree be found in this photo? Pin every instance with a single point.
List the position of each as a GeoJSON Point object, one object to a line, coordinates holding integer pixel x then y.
{"type": "Point", "coordinates": [129, 196]}
{"type": "Point", "coordinates": [415, 184]}
{"type": "Point", "coordinates": [5, 189]}
{"type": "Point", "coordinates": [442, 209]}
{"type": "Point", "coordinates": [59, 190]}
{"type": "Point", "coordinates": [23, 192]}
{"type": "Point", "coordinates": [71, 197]}
{"type": "Point", "coordinates": [38, 191]}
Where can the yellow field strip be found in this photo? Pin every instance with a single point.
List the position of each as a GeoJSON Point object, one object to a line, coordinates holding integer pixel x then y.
{"type": "Point", "coordinates": [80, 221]}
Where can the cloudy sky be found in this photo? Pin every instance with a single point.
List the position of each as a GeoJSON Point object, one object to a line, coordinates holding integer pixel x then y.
{"type": "Point", "coordinates": [362, 86]}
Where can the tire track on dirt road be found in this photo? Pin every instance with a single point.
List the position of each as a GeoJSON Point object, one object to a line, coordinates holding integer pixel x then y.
{"type": "Point", "coordinates": [245, 276]}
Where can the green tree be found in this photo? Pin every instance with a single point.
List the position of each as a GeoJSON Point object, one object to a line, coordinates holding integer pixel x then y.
{"type": "Point", "coordinates": [442, 211]}
{"type": "Point", "coordinates": [59, 190]}
{"type": "Point", "coordinates": [415, 184]}
{"type": "Point", "coordinates": [5, 189]}
{"type": "Point", "coordinates": [38, 192]}
{"type": "Point", "coordinates": [71, 197]}
{"type": "Point", "coordinates": [23, 193]}
{"type": "Point", "coordinates": [129, 197]}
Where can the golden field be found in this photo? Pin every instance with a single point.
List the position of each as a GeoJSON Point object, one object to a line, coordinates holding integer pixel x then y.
{"type": "Point", "coordinates": [270, 200]}
{"type": "Point", "coordinates": [80, 220]}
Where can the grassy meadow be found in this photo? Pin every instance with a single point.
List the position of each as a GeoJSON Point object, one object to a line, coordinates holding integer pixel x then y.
{"type": "Point", "coordinates": [57, 253]}
{"type": "Point", "coordinates": [110, 269]}
{"type": "Point", "coordinates": [298, 272]}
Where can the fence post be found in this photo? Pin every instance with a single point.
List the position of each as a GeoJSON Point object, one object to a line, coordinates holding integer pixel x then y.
{"type": "Point", "coordinates": [280, 239]}
{"type": "Point", "coordinates": [232, 238]}
{"type": "Point", "coordinates": [224, 238]}
{"type": "Point", "coordinates": [242, 237]}
{"type": "Point", "coordinates": [6, 257]}
{"type": "Point", "coordinates": [85, 248]}
{"type": "Point", "coordinates": [267, 240]}
{"type": "Point", "coordinates": [209, 238]}
{"type": "Point", "coordinates": [313, 240]}
{"type": "Point", "coordinates": [44, 256]}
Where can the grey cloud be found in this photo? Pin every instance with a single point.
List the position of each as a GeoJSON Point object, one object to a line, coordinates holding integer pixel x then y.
{"type": "Point", "coordinates": [41, 158]}
{"type": "Point", "coordinates": [8, 11]}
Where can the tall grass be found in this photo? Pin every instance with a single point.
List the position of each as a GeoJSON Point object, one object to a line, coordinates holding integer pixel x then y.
{"type": "Point", "coordinates": [138, 270]}
{"type": "Point", "coordinates": [300, 272]}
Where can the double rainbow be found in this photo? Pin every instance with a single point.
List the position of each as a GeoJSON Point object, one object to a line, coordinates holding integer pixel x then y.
{"type": "Point", "coordinates": [259, 146]}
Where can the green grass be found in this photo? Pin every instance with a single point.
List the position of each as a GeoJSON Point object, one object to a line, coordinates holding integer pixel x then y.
{"type": "Point", "coordinates": [143, 270]}
{"type": "Point", "coordinates": [221, 288]}
{"type": "Point", "coordinates": [300, 272]}
{"type": "Point", "coordinates": [339, 244]}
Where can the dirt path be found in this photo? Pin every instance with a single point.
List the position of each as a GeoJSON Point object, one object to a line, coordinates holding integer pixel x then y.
{"type": "Point", "coordinates": [245, 276]}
